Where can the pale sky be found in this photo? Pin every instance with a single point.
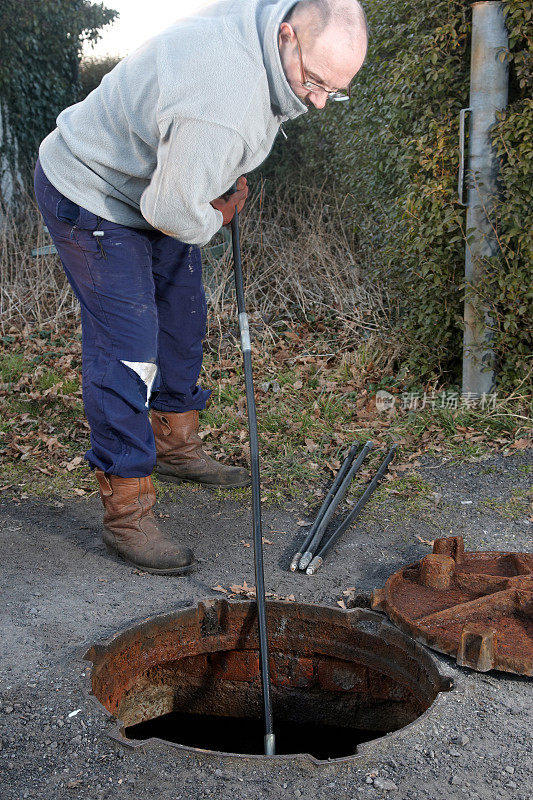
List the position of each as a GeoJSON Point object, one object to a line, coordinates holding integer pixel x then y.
{"type": "Point", "coordinates": [138, 21]}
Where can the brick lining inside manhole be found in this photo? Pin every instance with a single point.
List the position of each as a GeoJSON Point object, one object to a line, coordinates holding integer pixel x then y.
{"type": "Point", "coordinates": [192, 678]}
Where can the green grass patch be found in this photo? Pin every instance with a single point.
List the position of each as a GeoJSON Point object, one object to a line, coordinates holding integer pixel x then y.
{"type": "Point", "coordinates": [525, 469]}
{"type": "Point", "coordinates": [517, 506]}
{"type": "Point", "coordinates": [12, 367]}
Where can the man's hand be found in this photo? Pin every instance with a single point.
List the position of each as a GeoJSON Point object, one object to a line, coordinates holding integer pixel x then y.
{"type": "Point", "coordinates": [229, 202]}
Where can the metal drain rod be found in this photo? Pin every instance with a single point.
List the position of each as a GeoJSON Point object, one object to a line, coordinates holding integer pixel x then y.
{"type": "Point", "coordinates": [324, 507]}
{"type": "Point", "coordinates": [318, 560]}
{"type": "Point", "coordinates": [269, 739]}
{"type": "Point", "coordinates": [333, 505]}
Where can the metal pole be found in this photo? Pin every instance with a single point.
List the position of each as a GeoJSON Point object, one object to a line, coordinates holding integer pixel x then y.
{"type": "Point", "coordinates": [318, 560]}
{"type": "Point", "coordinates": [488, 95]}
{"type": "Point", "coordinates": [269, 739]}
{"type": "Point", "coordinates": [333, 505]}
{"type": "Point", "coordinates": [324, 507]}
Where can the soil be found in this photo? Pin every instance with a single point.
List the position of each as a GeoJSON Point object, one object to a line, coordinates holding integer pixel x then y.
{"type": "Point", "coordinates": [64, 592]}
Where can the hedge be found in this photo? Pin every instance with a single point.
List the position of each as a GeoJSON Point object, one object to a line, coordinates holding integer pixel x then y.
{"type": "Point", "coordinates": [394, 148]}
{"type": "Point", "coordinates": [41, 44]}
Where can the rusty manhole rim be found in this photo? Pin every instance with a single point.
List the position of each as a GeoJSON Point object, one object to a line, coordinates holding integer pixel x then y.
{"type": "Point", "coordinates": [446, 684]}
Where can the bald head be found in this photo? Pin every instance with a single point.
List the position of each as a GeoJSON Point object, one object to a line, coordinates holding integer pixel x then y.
{"type": "Point", "coordinates": [313, 17]}
{"type": "Point", "coordinates": [327, 39]}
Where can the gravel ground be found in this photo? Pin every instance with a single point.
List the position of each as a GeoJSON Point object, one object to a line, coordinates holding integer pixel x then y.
{"type": "Point", "coordinates": [65, 592]}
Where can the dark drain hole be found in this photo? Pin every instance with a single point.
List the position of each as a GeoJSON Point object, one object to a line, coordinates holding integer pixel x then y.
{"type": "Point", "coordinates": [245, 736]}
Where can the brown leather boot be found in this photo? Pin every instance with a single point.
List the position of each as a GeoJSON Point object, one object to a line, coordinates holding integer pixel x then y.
{"type": "Point", "coordinates": [181, 457]}
{"type": "Point", "coordinates": [131, 528]}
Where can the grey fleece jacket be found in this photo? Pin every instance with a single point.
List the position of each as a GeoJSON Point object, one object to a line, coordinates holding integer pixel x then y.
{"type": "Point", "coordinates": [177, 122]}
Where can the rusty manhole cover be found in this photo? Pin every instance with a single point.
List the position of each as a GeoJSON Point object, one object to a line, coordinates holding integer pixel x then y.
{"type": "Point", "coordinates": [477, 607]}
{"type": "Point", "coordinates": [191, 678]}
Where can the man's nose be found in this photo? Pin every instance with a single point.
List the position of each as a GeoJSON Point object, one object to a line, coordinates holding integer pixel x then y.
{"type": "Point", "coordinates": [319, 100]}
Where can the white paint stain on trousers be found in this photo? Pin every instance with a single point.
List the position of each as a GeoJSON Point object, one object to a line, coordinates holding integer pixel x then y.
{"type": "Point", "coordinates": [146, 371]}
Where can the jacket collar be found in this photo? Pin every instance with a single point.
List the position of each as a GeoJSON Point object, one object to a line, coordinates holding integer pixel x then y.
{"type": "Point", "coordinates": [284, 102]}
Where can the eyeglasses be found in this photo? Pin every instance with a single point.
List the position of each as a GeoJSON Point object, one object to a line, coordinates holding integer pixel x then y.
{"type": "Point", "coordinates": [338, 94]}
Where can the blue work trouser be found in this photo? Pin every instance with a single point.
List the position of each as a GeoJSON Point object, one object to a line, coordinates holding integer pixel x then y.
{"type": "Point", "coordinates": [143, 315]}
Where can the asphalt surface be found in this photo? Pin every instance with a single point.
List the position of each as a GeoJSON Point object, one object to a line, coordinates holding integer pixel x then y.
{"type": "Point", "coordinates": [62, 591]}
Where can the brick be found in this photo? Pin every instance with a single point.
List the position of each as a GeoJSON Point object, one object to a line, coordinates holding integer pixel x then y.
{"type": "Point", "coordinates": [234, 665]}
{"type": "Point", "coordinates": [290, 670]}
{"type": "Point", "coordinates": [384, 688]}
{"type": "Point", "coordinates": [341, 676]}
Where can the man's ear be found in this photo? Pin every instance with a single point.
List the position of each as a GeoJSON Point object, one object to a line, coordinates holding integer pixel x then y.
{"type": "Point", "coordinates": [286, 33]}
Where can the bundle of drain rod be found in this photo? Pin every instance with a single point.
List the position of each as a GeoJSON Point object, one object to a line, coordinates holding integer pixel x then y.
{"type": "Point", "coordinates": [311, 555]}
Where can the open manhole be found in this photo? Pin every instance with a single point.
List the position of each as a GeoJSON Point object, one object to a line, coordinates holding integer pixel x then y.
{"type": "Point", "coordinates": [191, 678]}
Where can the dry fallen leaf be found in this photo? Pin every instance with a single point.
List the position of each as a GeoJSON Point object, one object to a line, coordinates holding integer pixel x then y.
{"type": "Point", "coordinates": [341, 603]}
{"type": "Point", "coordinates": [522, 444]}
{"type": "Point", "coordinates": [429, 542]}
{"type": "Point", "coordinates": [219, 589]}
{"type": "Point", "coordinates": [245, 590]}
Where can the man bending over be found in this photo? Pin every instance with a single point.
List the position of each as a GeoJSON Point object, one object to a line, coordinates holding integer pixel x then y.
{"type": "Point", "coordinates": [130, 184]}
